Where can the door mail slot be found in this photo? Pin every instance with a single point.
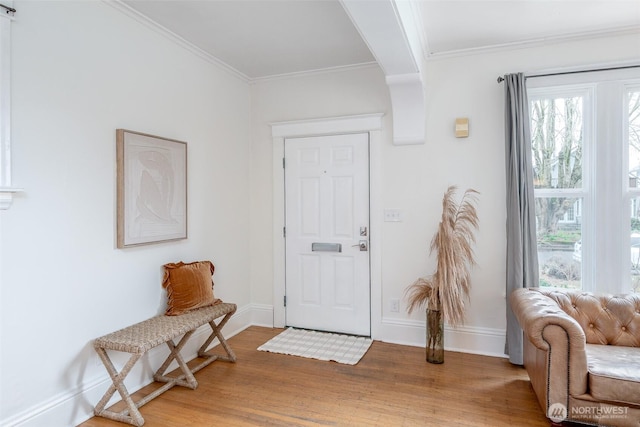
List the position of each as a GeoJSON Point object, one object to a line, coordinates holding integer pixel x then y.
{"type": "Point", "coordinates": [326, 247]}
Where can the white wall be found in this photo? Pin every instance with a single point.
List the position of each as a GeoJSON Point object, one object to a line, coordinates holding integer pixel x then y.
{"type": "Point", "coordinates": [414, 178]}
{"type": "Point", "coordinates": [81, 70]}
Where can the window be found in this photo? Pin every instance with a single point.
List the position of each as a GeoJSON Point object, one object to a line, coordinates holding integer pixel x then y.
{"type": "Point", "coordinates": [585, 144]}
{"type": "Point", "coordinates": [632, 114]}
{"type": "Point", "coordinates": [557, 147]}
{"type": "Point", "coordinates": [6, 191]}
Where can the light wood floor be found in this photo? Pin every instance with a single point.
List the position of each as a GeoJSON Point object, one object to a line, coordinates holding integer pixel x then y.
{"type": "Point", "coordinates": [391, 386]}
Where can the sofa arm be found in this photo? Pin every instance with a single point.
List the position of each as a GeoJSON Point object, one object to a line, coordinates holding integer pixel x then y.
{"type": "Point", "coordinates": [559, 366]}
{"type": "Point", "coordinates": [536, 311]}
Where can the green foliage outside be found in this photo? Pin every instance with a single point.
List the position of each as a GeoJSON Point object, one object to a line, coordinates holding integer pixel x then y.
{"type": "Point", "coordinates": [561, 236]}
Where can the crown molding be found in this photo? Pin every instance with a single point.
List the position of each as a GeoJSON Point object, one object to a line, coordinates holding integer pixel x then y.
{"type": "Point", "coordinates": [541, 41]}
{"type": "Point", "coordinates": [170, 35]}
{"type": "Point", "coordinates": [308, 73]}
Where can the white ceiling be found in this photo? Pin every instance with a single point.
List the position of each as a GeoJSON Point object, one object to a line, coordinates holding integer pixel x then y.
{"type": "Point", "coordinates": [264, 38]}
{"type": "Point", "coordinates": [260, 38]}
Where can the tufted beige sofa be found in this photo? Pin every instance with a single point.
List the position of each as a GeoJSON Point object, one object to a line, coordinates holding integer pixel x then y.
{"type": "Point", "coordinates": [582, 354]}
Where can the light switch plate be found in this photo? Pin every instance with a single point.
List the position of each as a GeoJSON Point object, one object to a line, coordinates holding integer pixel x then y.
{"type": "Point", "coordinates": [393, 215]}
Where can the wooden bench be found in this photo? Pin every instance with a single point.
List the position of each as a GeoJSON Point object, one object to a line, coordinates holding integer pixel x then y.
{"type": "Point", "coordinates": [141, 337]}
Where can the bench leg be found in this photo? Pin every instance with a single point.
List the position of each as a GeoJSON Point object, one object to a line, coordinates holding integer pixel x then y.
{"type": "Point", "coordinates": [130, 415]}
{"type": "Point", "coordinates": [217, 333]}
{"type": "Point", "coordinates": [187, 374]}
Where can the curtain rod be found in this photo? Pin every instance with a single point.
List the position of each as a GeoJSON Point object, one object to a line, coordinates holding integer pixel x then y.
{"type": "Point", "coordinates": [561, 73]}
{"type": "Point", "coordinates": [8, 9]}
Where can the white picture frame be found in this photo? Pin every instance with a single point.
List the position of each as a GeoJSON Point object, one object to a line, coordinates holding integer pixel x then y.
{"type": "Point", "coordinates": [151, 189]}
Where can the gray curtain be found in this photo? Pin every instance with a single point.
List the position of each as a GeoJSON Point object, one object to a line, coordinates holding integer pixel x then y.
{"type": "Point", "coordinates": [522, 255]}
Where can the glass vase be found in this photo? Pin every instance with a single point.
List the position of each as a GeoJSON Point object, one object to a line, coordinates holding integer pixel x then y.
{"type": "Point", "coordinates": [435, 336]}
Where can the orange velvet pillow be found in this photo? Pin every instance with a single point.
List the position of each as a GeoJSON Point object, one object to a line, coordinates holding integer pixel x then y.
{"type": "Point", "coordinates": [189, 286]}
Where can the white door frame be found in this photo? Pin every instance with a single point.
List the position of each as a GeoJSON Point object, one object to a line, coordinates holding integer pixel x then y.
{"type": "Point", "coordinates": [371, 123]}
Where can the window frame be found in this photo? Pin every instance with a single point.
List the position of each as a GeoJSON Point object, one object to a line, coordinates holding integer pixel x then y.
{"type": "Point", "coordinates": [584, 192]}
{"type": "Point", "coordinates": [603, 228]}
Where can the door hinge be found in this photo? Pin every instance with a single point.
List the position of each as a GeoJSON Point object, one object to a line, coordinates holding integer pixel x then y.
{"type": "Point", "coordinates": [284, 231]}
{"type": "Point", "coordinates": [283, 163]}
{"type": "Point", "coordinates": [285, 300]}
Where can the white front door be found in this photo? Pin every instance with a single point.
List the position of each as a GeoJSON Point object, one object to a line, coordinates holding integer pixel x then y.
{"type": "Point", "coordinates": [327, 233]}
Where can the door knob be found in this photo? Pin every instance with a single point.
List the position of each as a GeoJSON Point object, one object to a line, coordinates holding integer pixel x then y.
{"type": "Point", "coordinates": [363, 245]}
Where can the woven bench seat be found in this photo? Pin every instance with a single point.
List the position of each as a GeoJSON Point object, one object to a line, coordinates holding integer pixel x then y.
{"type": "Point", "coordinates": [139, 338]}
{"type": "Point", "coordinates": [150, 333]}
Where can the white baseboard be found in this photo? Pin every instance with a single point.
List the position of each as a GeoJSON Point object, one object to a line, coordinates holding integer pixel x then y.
{"type": "Point", "coordinates": [75, 405]}
{"type": "Point", "coordinates": [465, 339]}
{"type": "Point", "coordinates": [262, 315]}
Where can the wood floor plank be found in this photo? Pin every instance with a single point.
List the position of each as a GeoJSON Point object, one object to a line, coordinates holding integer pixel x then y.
{"type": "Point", "coordinates": [392, 385]}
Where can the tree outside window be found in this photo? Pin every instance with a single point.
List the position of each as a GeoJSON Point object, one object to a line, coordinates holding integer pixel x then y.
{"type": "Point", "coordinates": [585, 147]}
{"type": "Point", "coordinates": [557, 156]}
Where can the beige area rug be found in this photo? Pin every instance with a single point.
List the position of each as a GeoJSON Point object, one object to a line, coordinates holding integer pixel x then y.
{"type": "Point", "coordinates": [345, 349]}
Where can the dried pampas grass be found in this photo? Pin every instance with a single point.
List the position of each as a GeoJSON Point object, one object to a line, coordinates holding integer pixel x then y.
{"type": "Point", "coordinates": [448, 288]}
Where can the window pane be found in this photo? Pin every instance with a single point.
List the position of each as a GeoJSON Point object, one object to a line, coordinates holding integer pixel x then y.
{"type": "Point", "coordinates": [634, 183]}
{"type": "Point", "coordinates": [634, 139]}
{"type": "Point", "coordinates": [556, 142]}
{"type": "Point", "coordinates": [635, 244]}
{"type": "Point", "coordinates": [559, 233]}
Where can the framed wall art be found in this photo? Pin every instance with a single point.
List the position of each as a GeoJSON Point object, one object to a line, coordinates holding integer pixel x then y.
{"type": "Point", "coordinates": [152, 189]}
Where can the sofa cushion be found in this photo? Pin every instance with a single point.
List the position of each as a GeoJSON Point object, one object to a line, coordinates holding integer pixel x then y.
{"type": "Point", "coordinates": [614, 373]}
